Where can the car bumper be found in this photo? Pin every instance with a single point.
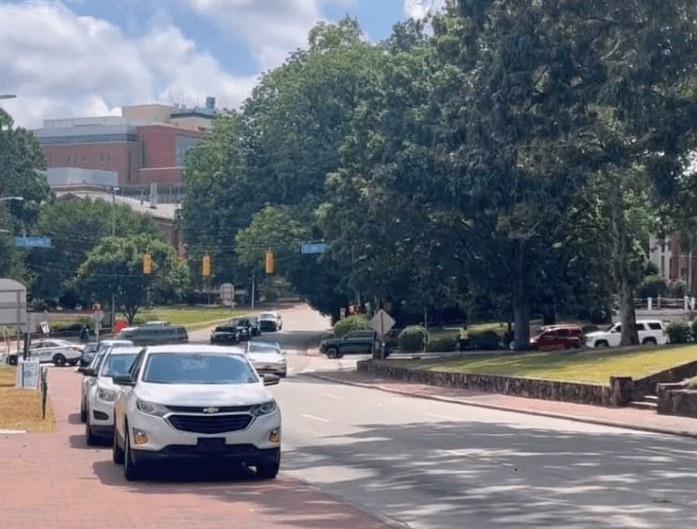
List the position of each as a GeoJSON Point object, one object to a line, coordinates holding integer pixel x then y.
{"type": "Point", "coordinates": [161, 434]}
{"type": "Point", "coordinates": [233, 453]}
{"type": "Point", "coordinates": [278, 369]}
{"type": "Point", "coordinates": [218, 339]}
{"type": "Point", "coordinates": [102, 415]}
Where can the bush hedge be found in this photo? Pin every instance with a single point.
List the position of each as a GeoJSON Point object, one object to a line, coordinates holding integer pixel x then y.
{"type": "Point", "coordinates": [412, 338]}
{"type": "Point", "coordinates": [481, 341]}
{"type": "Point", "coordinates": [352, 323]}
{"type": "Point", "coordinates": [679, 331]}
{"type": "Point", "coordinates": [442, 344]}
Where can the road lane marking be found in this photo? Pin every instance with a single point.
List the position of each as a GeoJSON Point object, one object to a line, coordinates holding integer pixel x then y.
{"type": "Point", "coordinates": [314, 417]}
{"type": "Point", "coordinates": [328, 396]}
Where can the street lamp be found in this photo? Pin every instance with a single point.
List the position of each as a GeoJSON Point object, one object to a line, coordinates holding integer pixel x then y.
{"type": "Point", "coordinates": [114, 189]}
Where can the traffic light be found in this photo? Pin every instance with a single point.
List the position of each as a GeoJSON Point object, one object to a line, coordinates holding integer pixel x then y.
{"type": "Point", "coordinates": [206, 266]}
{"type": "Point", "coordinates": [270, 264]}
{"type": "Point", "coordinates": [147, 264]}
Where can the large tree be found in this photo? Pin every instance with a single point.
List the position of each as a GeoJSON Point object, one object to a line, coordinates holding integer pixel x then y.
{"type": "Point", "coordinates": [115, 266]}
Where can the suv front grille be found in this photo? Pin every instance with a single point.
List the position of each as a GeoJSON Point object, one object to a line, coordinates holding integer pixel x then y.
{"type": "Point", "coordinates": [210, 424]}
{"type": "Point", "coordinates": [202, 409]}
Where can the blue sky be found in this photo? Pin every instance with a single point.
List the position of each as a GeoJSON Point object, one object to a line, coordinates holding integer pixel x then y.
{"type": "Point", "coordinates": [89, 57]}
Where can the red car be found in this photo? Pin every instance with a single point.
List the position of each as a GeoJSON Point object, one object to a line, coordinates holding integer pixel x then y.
{"type": "Point", "coordinates": [557, 337]}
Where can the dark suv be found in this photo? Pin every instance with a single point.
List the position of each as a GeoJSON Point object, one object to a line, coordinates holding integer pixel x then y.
{"type": "Point", "coordinates": [359, 342]}
{"type": "Point", "coordinates": [225, 334]}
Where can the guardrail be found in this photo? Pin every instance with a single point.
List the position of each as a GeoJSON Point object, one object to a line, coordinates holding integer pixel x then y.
{"type": "Point", "coordinates": [687, 303]}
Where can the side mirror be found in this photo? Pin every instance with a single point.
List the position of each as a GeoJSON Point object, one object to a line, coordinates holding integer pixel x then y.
{"type": "Point", "coordinates": [124, 381]}
{"type": "Point", "coordinates": [271, 380]}
{"type": "Point", "coordinates": [86, 371]}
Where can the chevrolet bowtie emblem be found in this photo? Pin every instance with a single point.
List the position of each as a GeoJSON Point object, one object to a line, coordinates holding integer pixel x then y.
{"type": "Point", "coordinates": [211, 410]}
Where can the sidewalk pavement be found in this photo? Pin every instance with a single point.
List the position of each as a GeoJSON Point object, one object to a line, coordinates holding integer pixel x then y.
{"type": "Point", "coordinates": [631, 418]}
{"type": "Point", "coordinates": [54, 481]}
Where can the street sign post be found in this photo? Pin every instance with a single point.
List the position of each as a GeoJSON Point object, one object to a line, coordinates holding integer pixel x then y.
{"type": "Point", "coordinates": [227, 294]}
{"type": "Point", "coordinates": [33, 242]}
{"type": "Point", "coordinates": [97, 317]}
{"type": "Point", "coordinates": [381, 323]}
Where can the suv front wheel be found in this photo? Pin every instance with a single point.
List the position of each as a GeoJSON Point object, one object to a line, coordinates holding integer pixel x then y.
{"type": "Point", "coordinates": [131, 470]}
{"type": "Point", "coordinates": [268, 469]}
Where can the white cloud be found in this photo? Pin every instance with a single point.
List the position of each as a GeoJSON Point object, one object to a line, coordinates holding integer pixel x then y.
{"type": "Point", "coordinates": [60, 64]}
{"type": "Point", "coordinates": [271, 28]}
{"type": "Point", "coordinates": [422, 8]}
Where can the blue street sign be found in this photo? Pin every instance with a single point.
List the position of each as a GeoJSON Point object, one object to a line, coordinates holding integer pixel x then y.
{"type": "Point", "coordinates": [33, 242]}
{"type": "Point", "coordinates": [315, 247]}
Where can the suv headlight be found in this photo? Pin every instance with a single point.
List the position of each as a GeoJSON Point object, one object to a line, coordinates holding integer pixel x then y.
{"type": "Point", "coordinates": [264, 409]}
{"type": "Point", "coordinates": [158, 410]}
{"type": "Point", "coordinates": [107, 395]}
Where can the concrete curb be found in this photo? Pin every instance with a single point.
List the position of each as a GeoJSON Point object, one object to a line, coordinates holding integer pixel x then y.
{"type": "Point", "coordinates": [589, 420]}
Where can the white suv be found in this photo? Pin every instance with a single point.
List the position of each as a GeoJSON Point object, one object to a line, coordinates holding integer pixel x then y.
{"type": "Point", "coordinates": [196, 402]}
{"type": "Point", "coordinates": [651, 332]}
{"type": "Point", "coordinates": [101, 395]}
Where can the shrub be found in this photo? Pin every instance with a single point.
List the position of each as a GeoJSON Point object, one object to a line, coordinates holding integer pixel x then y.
{"type": "Point", "coordinates": [652, 287]}
{"type": "Point", "coordinates": [679, 332]}
{"type": "Point", "coordinates": [678, 289]}
{"type": "Point", "coordinates": [482, 341]}
{"type": "Point", "coordinates": [442, 344]}
{"type": "Point", "coordinates": [352, 323]}
{"type": "Point", "coordinates": [693, 329]}
{"type": "Point", "coordinates": [412, 338]}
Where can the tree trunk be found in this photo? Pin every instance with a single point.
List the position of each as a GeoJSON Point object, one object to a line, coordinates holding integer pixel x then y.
{"type": "Point", "coordinates": [521, 304]}
{"type": "Point", "coordinates": [549, 315]}
{"type": "Point", "coordinates": [627, 313]}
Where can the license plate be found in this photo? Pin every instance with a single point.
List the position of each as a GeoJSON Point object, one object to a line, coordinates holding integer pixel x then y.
{"type": "Point", "coordinates": [210, 445]}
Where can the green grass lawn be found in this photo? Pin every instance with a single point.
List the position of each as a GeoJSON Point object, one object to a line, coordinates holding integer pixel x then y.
{"type": "Point", "coordinates": [191, 317]}
{"type": "Point", "coordinates": [595, 367]}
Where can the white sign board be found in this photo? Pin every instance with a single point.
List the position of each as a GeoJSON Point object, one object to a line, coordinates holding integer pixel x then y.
{"type": "Point", "coordinates": [382, 322]}
{"type": "Point", "coordinates": [13, 304]}
{"type": "Point", "coordinates": [44, 327]}
{"type": "Point", "coordinates": [28, 374]}
{"type": "Point", "coordinates": [227, 294]}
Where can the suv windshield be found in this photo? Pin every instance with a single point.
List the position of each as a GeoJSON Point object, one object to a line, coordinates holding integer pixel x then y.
{"type": "Point", "coordinates": [118, 365]}
{"type": "Point", "coordinates": [225, 329]}
{"type": "Point", "coordinates": [197, 368]}
{"type": "Point", "coordinates": [268, 316]}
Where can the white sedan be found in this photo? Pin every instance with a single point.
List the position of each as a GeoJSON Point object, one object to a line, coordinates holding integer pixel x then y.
{"type": "Point", "coordinates": [267, 357]}
{"type": "Point", "coordinates": [101, 396]}
{"type": "Point", "coordinates": [60, 352]}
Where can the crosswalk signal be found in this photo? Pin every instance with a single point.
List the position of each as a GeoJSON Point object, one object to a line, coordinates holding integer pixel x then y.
{"type": "Point", "coordinates": [270, 264]}
{"type": "Point", "coordinates": [206, 266]}
{"type": "Point", "coordinates": [147, 264]}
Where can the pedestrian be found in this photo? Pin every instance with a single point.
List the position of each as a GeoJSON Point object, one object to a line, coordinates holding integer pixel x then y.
{"type": "Point", "coordinates": [85, 334]}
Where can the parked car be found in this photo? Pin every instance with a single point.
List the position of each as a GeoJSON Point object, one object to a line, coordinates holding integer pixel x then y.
{"type": "Point", "coordinates": [199, 403]}
{"type": "Point", "coordinates": [270, 321]}
{"type": "Point", "coordinates": [91, 349]}
{"type": "Point", "coordinates": [651, 332]}
{"type": "Point", "coordinates": [225, 334]}
{"type": "Point", "coordinates": [60, 352]}
{"type": "Point", "coordinates": [153, 335]}
{"type": "Point", "coordinates": [267, 357]}
{"type": "Point", "coordinates": [102, 394]}
{"type": "Point", "coordinates": [555, 337]}
{"type": "Point", "coordinates": [89, 379]}
{"type": "Point", "coordinates": [352, 342]}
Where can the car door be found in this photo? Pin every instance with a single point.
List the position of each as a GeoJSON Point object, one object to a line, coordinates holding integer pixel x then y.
{"type": "Point", "coordinates": [641, 331]}
{"type": "Point", "coordinates": [547, 340]}
{"type": "Point", "coordinates": [38, 351]}
{"type": "Point", "coordinates": [357, 342]}
{"type": "Point", "coordinates": [120, 403]}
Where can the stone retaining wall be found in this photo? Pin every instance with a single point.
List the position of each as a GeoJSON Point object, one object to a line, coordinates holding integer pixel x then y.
{"type": "Point", "coordinates": [648, 385]}
{"type": "Point", "coordinates": [615, 395]}
{"type": "Point", "coordinates": [676, 399]}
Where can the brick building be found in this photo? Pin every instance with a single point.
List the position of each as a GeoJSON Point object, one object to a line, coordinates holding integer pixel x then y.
{"type": "Point", "coordinates": [146, 145]}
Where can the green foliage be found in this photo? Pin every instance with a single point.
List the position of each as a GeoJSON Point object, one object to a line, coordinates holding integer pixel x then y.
{"type": "Point", "coordinates": [352, 323]}
{"type": "Point", "coordinates": [116, 266]}
{"type": "Point", "coordinates": [443, 344]}
{"type": "Point", "coordinates": [679, 332]}
{"type": "Point", "coordinates": [652, 286]}
{"type": "Point", "coordinates": [76, 226]}
{"type": "Point", "coordinates": [678, 289]}
{"type": "Point", "coordinates": [412, 338]}
{"type": "Point", "coordinates": [481, 341]}
{"type": "Point", "coordinates": [693, 331]}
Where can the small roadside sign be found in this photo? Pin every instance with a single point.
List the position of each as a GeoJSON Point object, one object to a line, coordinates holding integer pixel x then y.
{"type": "Point", "coordinates": [227, 294]}
{"type": "Point", "coordinates": [382, 322]}
{"type": "Point", "coordinates": [33, 242]}
{"type": "Point", "coordinates": [313, 247]}
{"type": "Point", "coordinates": [44, 327]}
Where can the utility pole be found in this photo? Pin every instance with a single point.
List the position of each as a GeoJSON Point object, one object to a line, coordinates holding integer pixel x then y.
{"type": "Point", "coordinates": [253, 287]}
{"type": "Point", "coordinates": [113, 234]}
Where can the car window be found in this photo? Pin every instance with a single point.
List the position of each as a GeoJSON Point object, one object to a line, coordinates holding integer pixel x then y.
{"type": "Point", "coordinates": [268, 315]}
{"type": "Point", "coordinates": [617, 328]}
{"type": "Point", "coordinates": [225, 329]}
{"type": "Point", "coordinates": [562, 332]}
{"type": "Point", "coordinates": [137, 363]}
{"type": "Point", "coordinates": [655, 326]}
{"type": "Point", "coordinates": [117, 365]}
{"type": "Point", "coordinates": [197, 368]}
{"type": "Point", "coordinates": [640, 327]}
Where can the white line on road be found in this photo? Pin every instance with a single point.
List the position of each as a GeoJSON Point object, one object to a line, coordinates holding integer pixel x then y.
{"type": "Point", "coordinates": [315, 418]}
{"type": "Point", "coordinates": [328, 396]}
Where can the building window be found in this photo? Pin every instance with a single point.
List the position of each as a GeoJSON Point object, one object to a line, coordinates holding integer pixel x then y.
{"type": "Point", "coordinates": [184, 143]}
{"type": "Point", "coordinates": [663, 266]}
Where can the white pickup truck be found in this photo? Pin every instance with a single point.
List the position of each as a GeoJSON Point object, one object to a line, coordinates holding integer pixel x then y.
{"type": "Point", "coordinates": [651, 332]}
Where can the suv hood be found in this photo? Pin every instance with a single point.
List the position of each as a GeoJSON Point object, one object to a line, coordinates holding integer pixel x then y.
{"type": "Point", "coordinates": [596, 334]}
{"type": "Point", "coordinates": [271, 356]}
{"type": "Point", "coordinates": [204, 394]}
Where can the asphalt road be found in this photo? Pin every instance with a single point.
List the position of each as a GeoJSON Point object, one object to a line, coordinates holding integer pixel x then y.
{"type": "Point", "coordinates": [427, 464]}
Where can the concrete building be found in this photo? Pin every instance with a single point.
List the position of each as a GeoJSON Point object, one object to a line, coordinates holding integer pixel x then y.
{"type": "Point", "coordinates": [146, 145]}
{"type": "Point", "coordinates": [674, 260]}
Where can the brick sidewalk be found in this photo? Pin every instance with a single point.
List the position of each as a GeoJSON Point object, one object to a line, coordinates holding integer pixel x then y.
{"type": "Point", "coordinates": [54, 481]}
{"type": "Point", "coordinates": [622, 417]}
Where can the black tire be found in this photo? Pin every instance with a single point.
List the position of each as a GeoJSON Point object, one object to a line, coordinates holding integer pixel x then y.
{"type": "Point", "coordinates": [83, 412]}
{"type": "Point", "coordinates": [284, 374]}
{"type": "Point", "coordinates": [268, 469]}
{"type": "Point", "coordinates": [132, 471]}
{"type": "Point", "coordinates": [116, 450]}
{"type": "Point", "coordinates": [601, 344]}
{"type": "Point", "coordinates": [649, 341]}
{"type": "Point", "coordinates": [339, 354]}
{"type": "Point", "coordinates": [59, 360]}
{"type": "Point", "coordinates": [90, 438]}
